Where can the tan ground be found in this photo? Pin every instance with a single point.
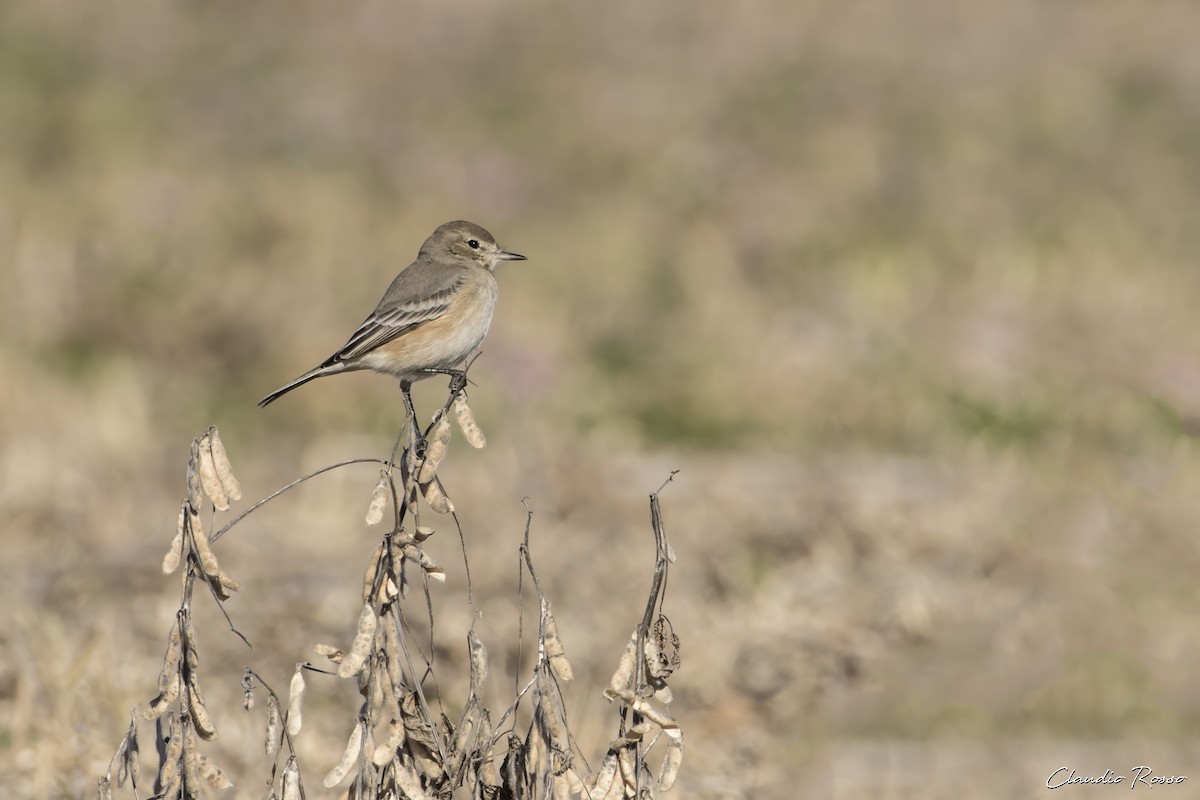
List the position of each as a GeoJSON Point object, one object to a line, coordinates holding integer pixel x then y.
{"type": "Point", "coordinates": [907, 291]}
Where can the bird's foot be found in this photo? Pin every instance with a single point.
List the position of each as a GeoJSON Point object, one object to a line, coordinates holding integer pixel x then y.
{"type": "Point", "coordinates": [458, 378]}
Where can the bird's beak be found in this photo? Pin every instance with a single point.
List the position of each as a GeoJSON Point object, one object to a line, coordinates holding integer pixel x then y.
{"type": "Point", "coordinates": [504, 255]}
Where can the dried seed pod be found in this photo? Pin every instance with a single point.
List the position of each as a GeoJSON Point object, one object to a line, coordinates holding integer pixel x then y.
{"type": "Point", "coordinates": [291, 780]}
{"type": "Point", "coordinates": [208, 475]}
{"type": "Point", "coordinates": [656, 715]}
{"type": "Point", "coordinates": [479, 661]}
{"type": "Point", "coordinates": [191, 653]}
{"type": "Point", "coordinates": [172, 658]}
{"type": "Point", "coordinates": [604, 779]}
{"type": "Point", "coordinates": [436, 446]}
{"type": "Point", "coordinates": [104, 789]}
{"type": "Point", "coordinates": [233, 489]}
{"type": "Point", "coordinates": [364, 637]}
{"type": "Point", "coordinates": [175, 551]}
{"type": "Point", "coordinates": [622, 679]}
{"type": "Point", "coordinates": [213, 775]}
{"type": "Point", "coordinates": [160, 704]}
{"type": "Point", "coordinates": [195, 494]}
{"type": "Point", "coordinates": [271, 742]}
{"type": "Point", "coordinates": [552, 716]}
{"type": "Point", "coordinates": [372, 572]}
{"type": "Point", "coordinates": [247, 689]}
{"type": "Point", "coordinates": [627, 759]}
{"type": "Point", "coordinates": [222, 584]}
{"type": "Point", "coordinates": [671, 760]}
{"type": "Point", "coordinates": [422, 533]}
{"type": "Point", "coordinates": [379, 499]}
{"type": "Point", "coordinates": [132, 765]}
{"type": "Point", "coordinates": [191, 764]}
{"type": "Point", "coordinates": [466, 422]}
{"type": "Point", "coordinates": [561, 790]}
{"type": "Point", "coordinates": [201, 719]}
{"type": "Point", "coordinates": [386, 751]}
{"type": "Point", "coordinates": [662, 693]}
{"type": "Point", "coordinates": [295, 696]}
{"type": "Point", "coordinates": [430, 566]}
{"type": "Point", "coordinates": [170, 767]}
{"type": "Point", "coordinates": [462, 736]}
{"type": "Point", "coordinates": [334, 654]}
{"type": "Point", "coordinates": [208, 559]}
{"type": "Point", "coordinates": [409, 782]}
{"type": "Point", "coordinates": [436, 497]}
{"type": "Point", "coordinates": [554, 648]}
{"type": "Point", "coordinates": [487, 769]}
{"type": "Point", "coordinates": [349, 756]}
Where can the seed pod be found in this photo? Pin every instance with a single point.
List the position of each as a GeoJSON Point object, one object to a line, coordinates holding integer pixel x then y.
{"type": "Point", "coordinates": [466, 422]}
{"type": "Point", "coordinates": [170, 775]}
{"type": "Point", "coordinates": [605, 779]}
{"type": "Point", "coordinates": [233, 490]}
{"type": "Point", "coordinates": [349, 756]}
{"type": "Point", "coordinates": [170, 668]}
{"type": "Point", "coordinates": [213, 775]}
{"type": "Point", "coordinates": [372, 572]}
{"type": "Point", "coordinates": [622, 679]}
{"type": "Point", "coordinates": [430, 566]}
{"type": "Point", "coordinates": [199, 710]}
{"type": "Point", "coordinates": [160, 704]}
{"type": "Point", "coordinates": [554, 648]}
{"type": "Point", "coordinates": [436, 446]}
{"type": "Point", "coordinates": [208, 475]}
{"type": "Point", "coordinates": [409, 783]}
{"type": "Point", "coordinates": [364, 637]}
{"type": "Point", "coordinates": [222, 584]}
{"type": "Point", "coordinates": [334, 654]}
{"type": "Point", "coordinates": [291, 781]}
{"type": "Point", "coordinates": [208, 559]}
{"type": "Point", "coordinates": [671, 760]}
{"type": "Point", "coordinates": [436, 497]}
{"type": "Point", "coordinates": [422, 533]}
{"type": "Point", "coordinates": [295, 695]}
{"type": "Point", "coordinates": [175, 551]}
{"type": "Point", "coordinates": [191, 764]}
{"type": "Point", "coordinates": [386, 751]}
{"type": "Point", "coordinates": [378, 500]}
{"type": "Point", "coordinates": [479, 661]}
{"type": "Point", "coordinates": [271, 742]}
{"type": "Point", "coordinates": [195, 495]}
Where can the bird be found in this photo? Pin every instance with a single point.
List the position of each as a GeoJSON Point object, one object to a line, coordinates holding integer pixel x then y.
{"type": "Point", "coordinates": [432, 317]}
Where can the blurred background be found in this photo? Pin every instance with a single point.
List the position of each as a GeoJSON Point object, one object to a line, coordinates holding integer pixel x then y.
{"type": "Point", "coordinates": [908, 293]}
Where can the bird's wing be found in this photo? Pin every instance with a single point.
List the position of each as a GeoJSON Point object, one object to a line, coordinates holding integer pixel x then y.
{"type": "Point", "coordinates": [395, 316]}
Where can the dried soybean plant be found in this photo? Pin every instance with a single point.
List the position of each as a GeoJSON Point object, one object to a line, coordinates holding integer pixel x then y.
{"type": "Point", "coordinates": [179, 712]}
{"type": "Point", "coordinates": [398, 747]}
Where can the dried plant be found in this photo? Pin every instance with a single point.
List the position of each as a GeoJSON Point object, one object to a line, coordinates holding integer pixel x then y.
{"type": "Point", "coordinates": [397, 746]}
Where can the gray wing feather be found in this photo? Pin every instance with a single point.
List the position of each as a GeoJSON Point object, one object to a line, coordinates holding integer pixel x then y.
{"type": "Point", "coordinates": [390, 320]}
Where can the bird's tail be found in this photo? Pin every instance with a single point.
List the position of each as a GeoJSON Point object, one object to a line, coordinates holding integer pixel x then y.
{"type": "Point", "coordinates": [313, 374]}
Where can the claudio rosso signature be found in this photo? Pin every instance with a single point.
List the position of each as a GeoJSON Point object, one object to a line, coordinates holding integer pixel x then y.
{"type": "Point", "coordinates": [1138, 776]}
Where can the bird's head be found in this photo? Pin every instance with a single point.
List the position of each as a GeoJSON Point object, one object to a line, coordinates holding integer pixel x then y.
{"type": "Point", "coordinates": [467, 241]}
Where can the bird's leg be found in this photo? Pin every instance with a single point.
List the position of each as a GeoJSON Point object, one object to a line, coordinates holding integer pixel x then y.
{"type": "Point", "coordinates": [416, 442]}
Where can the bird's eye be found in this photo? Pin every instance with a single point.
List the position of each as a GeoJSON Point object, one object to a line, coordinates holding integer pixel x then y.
{"type": "Point", "coordinates": [473, 244]}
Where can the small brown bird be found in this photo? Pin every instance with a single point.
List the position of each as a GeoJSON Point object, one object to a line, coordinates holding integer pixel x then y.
{"type": "Point", "coordinates": [433, 316]}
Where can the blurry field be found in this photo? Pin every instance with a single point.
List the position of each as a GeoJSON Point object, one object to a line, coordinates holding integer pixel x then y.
{"type": "Point", "coordinates": [907, 291]}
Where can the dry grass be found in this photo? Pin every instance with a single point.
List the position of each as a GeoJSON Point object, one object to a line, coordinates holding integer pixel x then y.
{"type": "Point", "coordinates": [906, 290]}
